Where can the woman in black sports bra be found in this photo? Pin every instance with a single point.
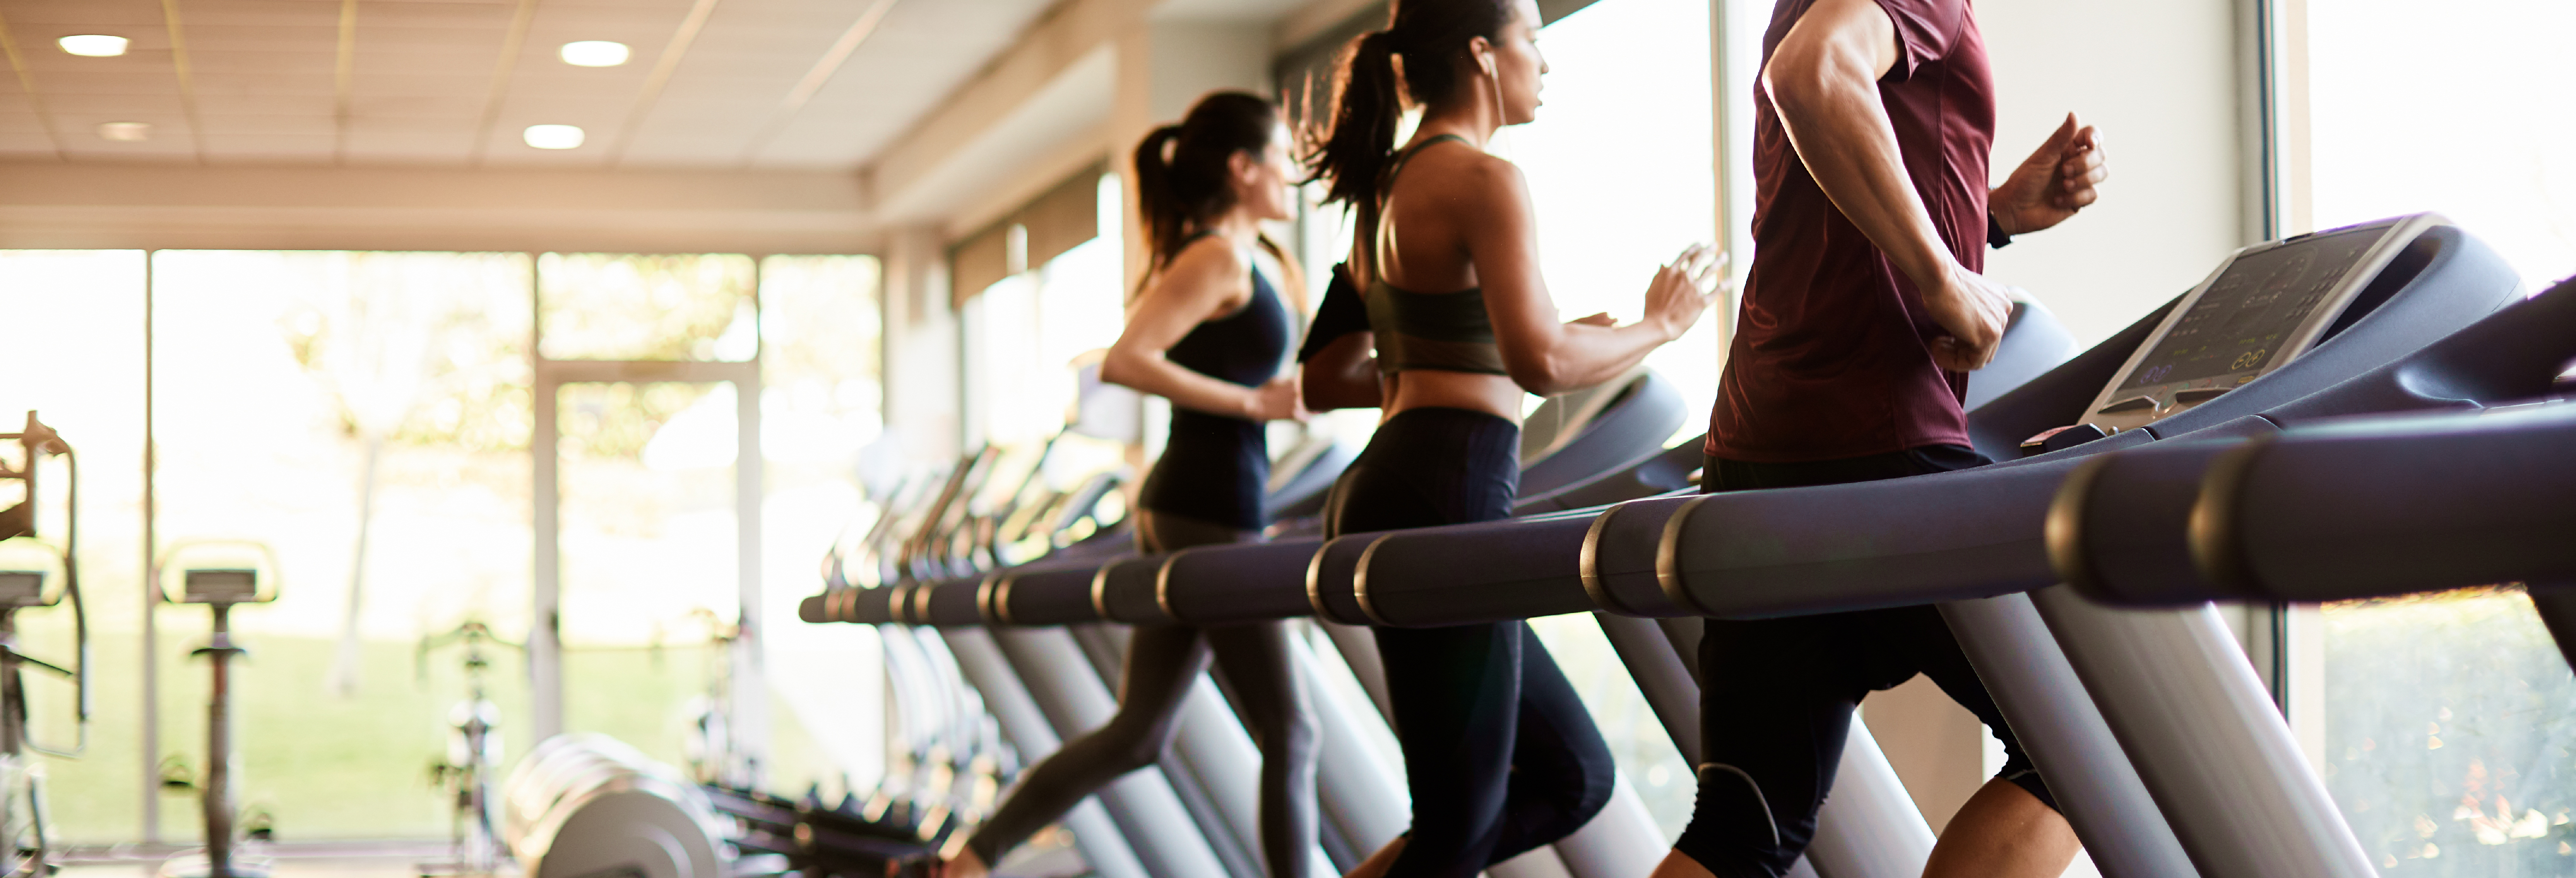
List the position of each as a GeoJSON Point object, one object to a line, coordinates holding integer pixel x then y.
{"type": "Point", "coordinates": [1498, 750]}
{"type": "Point", "coordinates": [1208, 331]}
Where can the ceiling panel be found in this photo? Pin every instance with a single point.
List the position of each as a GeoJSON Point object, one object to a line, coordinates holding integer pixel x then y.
{"type": "Point", "coordinates": [214, 103]}
{"type": "Point", "coordinates": [114, 107]}
{"type": "Point", "coordinates": [267, 81]}
{"type": "Point", "coordinates": [25, 144]}
{"type": "Point", "coordinates": [229, 129]}
{"type": "Point", "coordinates": [393, 144]}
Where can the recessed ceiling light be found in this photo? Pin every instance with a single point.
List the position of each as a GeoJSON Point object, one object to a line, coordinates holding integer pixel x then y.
{"type": "Point", "coordinates": [553, 136]}
{"type": "Point", "coordinates": [594, 53]}
{"type": "Point", "coordinates": [126, 132]}
{"type": "Point", "coordinates": [93, 45]}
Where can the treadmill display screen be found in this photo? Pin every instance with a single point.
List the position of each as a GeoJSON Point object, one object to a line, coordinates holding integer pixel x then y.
{"type": "Point", "coordinates": [2235, 328]}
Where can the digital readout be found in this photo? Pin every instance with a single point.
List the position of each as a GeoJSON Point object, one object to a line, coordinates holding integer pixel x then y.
{"type": "Point", "coordinates": [2237, 327]}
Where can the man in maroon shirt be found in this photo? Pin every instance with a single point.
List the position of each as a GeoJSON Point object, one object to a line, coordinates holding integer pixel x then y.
{"type": "Point", "coordinates": [1863, 312]}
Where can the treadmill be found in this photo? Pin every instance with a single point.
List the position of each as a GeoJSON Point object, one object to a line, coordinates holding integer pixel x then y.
{"type": "Point", "coordinates": [2472, 488]}
{"type": "Point", "coordinates": [2324, 308]}
{"type": "Point", "coordinates": [2276, 330]}
{"type": "Point", "coordinates": [1079, 589]}
{"type": "Point", "coordinates": [1607, 426]}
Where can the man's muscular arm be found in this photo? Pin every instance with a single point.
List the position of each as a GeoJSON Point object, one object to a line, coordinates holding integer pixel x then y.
{"type": "Point", "coordinates": [2055, 182]}
{"type": "Point", "coordinates": [1823, 79]}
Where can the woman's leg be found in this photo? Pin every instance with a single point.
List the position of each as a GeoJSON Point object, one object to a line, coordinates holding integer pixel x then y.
{"type": "Point", "coordinates": [1562, 771]}
{"type": "Point", "coordinates": [1161, 663]}
{"type": "Point", "coordinates": [1456, 693]}
{"type": "Point", "coordinates": [1259, 663]}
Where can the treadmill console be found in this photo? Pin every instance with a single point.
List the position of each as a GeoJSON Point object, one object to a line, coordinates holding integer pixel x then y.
{"type": "Point", "coordinates": [2263, 307]}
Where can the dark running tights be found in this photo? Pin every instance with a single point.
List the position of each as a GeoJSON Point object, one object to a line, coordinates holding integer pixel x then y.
{"type": "Point", "coordinates": [1162, 664]}
{"type": "Point", "coordinates": [1499, 753]}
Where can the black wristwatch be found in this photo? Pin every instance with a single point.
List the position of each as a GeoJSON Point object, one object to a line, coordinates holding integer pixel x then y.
{"type": "Point", "coordinates": [1996, 237]}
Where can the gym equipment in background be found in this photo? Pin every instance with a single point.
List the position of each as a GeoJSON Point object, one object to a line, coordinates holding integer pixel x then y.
{"type": "Point", "coordinates": [31, 586]}
{"type": "Point", "coordinates": [473, 754]}
{"type": "Point", "coordinates": [220, 575]}
{"type": "Point", "coordinates": [584, 804]}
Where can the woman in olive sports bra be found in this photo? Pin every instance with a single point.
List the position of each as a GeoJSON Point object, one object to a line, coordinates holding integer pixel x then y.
{"type": "Point", "coordinates": [1499, 752]}
{"type": "Point", "coordinates": [1210, 332]}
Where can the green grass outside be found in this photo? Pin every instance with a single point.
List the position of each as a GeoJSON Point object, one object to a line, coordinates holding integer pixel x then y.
{"type": "Point", "coordinates": [328, 767]}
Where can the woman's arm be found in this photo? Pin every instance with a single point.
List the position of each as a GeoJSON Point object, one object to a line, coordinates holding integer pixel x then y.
{"type": "Point", "coordinates": [1342, 375]}
{"type": "Point", "coordinates": [1208, 280]}
{"type": "Point", "coordinates": [1543, 355]}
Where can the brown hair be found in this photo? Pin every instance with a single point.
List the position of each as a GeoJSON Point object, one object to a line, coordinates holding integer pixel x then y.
{"type": "Point", "coordinates": [1358, 142]}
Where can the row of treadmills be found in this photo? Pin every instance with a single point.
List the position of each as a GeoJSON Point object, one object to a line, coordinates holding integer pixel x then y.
{"type": "Point", "coordinates": [2357, 412]}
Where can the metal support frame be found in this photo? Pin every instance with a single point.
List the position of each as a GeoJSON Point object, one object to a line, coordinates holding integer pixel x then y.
{"type": "Point", "coordinates": [2055, 719]}
{"type": "Point", "coordinates": [2207, 740]}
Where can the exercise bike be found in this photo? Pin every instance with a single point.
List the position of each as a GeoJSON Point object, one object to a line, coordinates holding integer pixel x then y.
{"type": "Point", "coordinates": [32, 586]}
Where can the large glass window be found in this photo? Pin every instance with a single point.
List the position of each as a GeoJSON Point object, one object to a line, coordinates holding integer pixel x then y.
{"type": "Point", "coordinates": [76, 360]}
{"type": "Point", "coordinates": [1621, 166]}
{"type": "Point", "coordinates": [2449, 724]}
{"type": "Point", "coordinates": [368, 418]}
{"type": "Point", "coordinates": [2449, 719]}
{"type": "Point", "coordinates": [2451, 113]}
{"type": "Point", "coordinates": [1622, 172]}
{"type": "Point", "coordinates": [821, 416]}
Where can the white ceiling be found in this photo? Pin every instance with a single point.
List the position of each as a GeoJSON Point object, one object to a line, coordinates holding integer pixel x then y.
{"type": "Point", "coordinates": [426, 84]}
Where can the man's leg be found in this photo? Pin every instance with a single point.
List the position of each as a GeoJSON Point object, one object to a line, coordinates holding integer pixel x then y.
{"type": "Point", "coordinates": [1776, 705]}
{"type": "Point", "coordinates": [2004, 832]}
{"type": "Point", "coordinates": [2010, 828]}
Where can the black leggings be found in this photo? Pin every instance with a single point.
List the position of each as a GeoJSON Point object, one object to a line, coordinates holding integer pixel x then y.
{"type": "Point", "coordinates": [1499, 753]}
{"type": "Point", "coordinates": [1777, 695]}
{"type": "Point", "coordinates": [1162, 664]}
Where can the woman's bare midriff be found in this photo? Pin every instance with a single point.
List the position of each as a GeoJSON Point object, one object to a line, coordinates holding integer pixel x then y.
{"type": "Point", "coordinates": [1495, 395]}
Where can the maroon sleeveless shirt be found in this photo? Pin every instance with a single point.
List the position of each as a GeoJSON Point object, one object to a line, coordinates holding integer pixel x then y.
{"type": "Point", "coordinates": [1832, 356]}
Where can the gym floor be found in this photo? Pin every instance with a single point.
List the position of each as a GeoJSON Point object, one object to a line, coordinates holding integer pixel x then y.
{"type": "Point", "coordinates": [383, 859]}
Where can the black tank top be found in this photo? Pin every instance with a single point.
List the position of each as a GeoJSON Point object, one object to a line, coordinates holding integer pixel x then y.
{"type": "Point", "coordinates": [1215, 468]}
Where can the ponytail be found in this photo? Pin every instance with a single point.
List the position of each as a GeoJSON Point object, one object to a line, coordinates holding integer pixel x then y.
{"type": "Point", "coordinates": [1182, 171]}
{"type": "Point", "coordinates": [1359, 140]}
{"type": "Point", "coordinates": [1155, 200]}
{"type": "Point", "coordinates": [1358, 143]}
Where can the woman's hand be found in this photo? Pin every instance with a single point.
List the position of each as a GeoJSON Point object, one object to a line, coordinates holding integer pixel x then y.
{"type": "Point", "coordinates": [1682, 291]}
{"type": "Point", "coordinates": [1279, 400]}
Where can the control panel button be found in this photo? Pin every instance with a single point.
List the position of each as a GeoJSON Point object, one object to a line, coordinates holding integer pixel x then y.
{"type": "Point", "coordinates": [2132, 404]}
{"type": "Point", "coordinates": [2199, 395]}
